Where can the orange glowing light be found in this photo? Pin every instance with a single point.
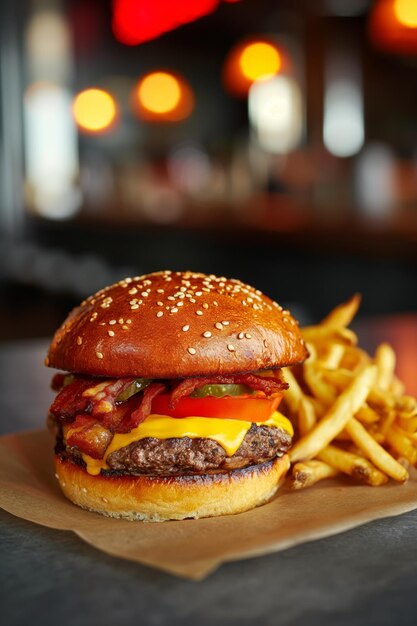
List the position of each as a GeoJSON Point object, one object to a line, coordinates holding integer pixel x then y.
{"type": "Point", "coordinates": [252, 60]}
{"type": "Point", "coordinates": [95, 111]}
{"type": "Point", "coordinates": [159, 92]}
{"type": "Point", "coordinates": [406, 12]}
{"type": "Point", "coordinates": [393, 24]}
{"type": "Point", "coordinates": [163, 96]}
{"type": "Point", "coordinates": [259, 60]}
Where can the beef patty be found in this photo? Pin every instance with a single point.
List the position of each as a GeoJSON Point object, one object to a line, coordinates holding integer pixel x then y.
{"type": "Point", "coordinates": [184, 455]}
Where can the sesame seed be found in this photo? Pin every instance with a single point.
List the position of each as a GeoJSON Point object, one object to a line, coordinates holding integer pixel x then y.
{"type": "Point", "coordinates": [160, 290]}
{"type": "Point", "coordinates": [231, 347]}
{"type": "Point", "coordinates": [186, 327]}
{"type": "Point", "coordinates": [99, 355]}
{"type": "Point", "coordinates": [174, 310]}
{"type": "Point", "coordinates": [199, 312]}
{"type": "Point", "coordinates": [159, 314]}
{"type": "Point", "coordinates": [205, 305]}
{"type": "Point", "coordinates": [134, 307]}
{"type": "Point", "coordinates": [192, 300]}
{"type": "Point", "coordinates": [241, 335]}
{"type": "Point", "coordinates": [124, 327]}
{"type": "Point", "coordinates": [56, 476]}
{"type": "Point", "coordinates": [219, 325]}
{"type": "Point", "coordinates": [104, 500]}
{"type": "Point", "coordinates": [160, 303]}
{"type": "Point", "coordinates": [110, 333]}
{"type": "Point", "coordinates": [112, 322]}
{"type": "Point", "coordinates": [198, 293]}
{"type": "Point", "coordinates": [132, 291]}
{"type": "Point", "coordinates": [102, 323]}
{"type": "Point", "coordinates": [79, 340]}
{"type": "Point", "coordinates": [180, 303]}
{"type": "Point", "coordinates": [207, 334]}
{"type": "Point", "coordinates": [248, 336]}
{"type": "Point", "coordinates": [225, 323]}
{"type": "Point", "coordinates": [128, 321]}
{"type": "Point", "coordinates": [121, 321]}
{"type": "Point", "coordinates": [63, 484]}
{"type": "Point", "coordinates": [84, 490]}
{"type": "Point", "coordinates": [171, 298]}
{"type": "Point", "coordinates": [215, 303]}
{"type": "Point", "coordinates": [192, 350]}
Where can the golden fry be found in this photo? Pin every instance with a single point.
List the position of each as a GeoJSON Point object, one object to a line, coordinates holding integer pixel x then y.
{"type": "Point", "coordinates": [345, 336]}
{"type": "Point", "coordinates": [310, 472]}
{"type": "Point", "coordinates": [375, 453]}
{"type": "Point", "coordinates": [366, 415]}
{"type": "Point", "coordinates": [294, 394]}
{"type": "Point", "coordinates": [306, 416]}
{"type": "Point", "coordinates": [333, 357]}
{"type": "Point", "coordinates": [352, 464]}
{"type": "Point", "coordinates": [402, 444]}
{"type": "Point", "coordinates": [385, 362]}
{"type": "Point", "coordinates": [342, 315]}
{"type": "Point", "coordinates": [346, 405]}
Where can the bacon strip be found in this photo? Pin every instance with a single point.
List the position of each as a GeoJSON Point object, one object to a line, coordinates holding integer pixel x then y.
{"type": "Point", "coordinates": [268, 385]}
{"type": "Point", "coordinates": [142, 412]}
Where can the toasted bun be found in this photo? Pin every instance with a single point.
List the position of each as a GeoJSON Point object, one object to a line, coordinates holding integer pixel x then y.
{"type": "Point", "coordinates": [156, 499]}
{"type": "Point", "coordinates": [176, 325]}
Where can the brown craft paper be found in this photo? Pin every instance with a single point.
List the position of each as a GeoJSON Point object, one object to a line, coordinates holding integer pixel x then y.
{"type": "Point", "coordinates": [191, 548]}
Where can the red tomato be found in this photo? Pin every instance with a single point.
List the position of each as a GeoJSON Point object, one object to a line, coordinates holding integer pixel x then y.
{"type": "Point", "coordinates": [229, 407]}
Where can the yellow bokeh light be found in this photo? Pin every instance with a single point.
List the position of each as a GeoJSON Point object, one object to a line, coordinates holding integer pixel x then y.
{"type": "Point", "coordinates": [260, 60]}
{"type": "Point", "coordinates": [406, 12]}
{"type": "Point", "coordinates": [159, 92]}
{"type": "Point", "coordinates": [94, 110]}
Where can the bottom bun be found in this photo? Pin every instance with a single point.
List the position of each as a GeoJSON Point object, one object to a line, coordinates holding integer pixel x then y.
{"type": "Point", "coordinates": [160, 498]}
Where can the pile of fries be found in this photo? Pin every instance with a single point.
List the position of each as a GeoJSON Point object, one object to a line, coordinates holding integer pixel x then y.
{"type": "Point", "coordinates": [348, 409]}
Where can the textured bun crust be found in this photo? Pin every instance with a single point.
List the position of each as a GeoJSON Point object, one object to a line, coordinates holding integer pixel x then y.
{"type": "Point", "coordinates": [176, 325]}
{"type": "Point", "coordinates": [156, 499]}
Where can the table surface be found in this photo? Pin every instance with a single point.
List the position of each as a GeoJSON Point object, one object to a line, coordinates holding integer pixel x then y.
{"type": "Point", "coordinates": [365, 576]}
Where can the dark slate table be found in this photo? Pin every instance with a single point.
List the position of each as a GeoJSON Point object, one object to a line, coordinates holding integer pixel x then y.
{"type": "Point", "coordinates": [365, 576]}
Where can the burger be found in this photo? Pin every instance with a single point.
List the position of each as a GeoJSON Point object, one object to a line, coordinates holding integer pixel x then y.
{"type": "Point", "coordinates": [166, 404]}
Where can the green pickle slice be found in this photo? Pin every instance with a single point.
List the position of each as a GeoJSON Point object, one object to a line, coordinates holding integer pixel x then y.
{"type": "Point", "coordinates": [138, 385]}
{"type": "Point", "coordinates": [220, 391]}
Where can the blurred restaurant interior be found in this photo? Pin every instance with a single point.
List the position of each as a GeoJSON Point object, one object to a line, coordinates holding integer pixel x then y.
{"type": "Point", "coordinates": [270, 140]}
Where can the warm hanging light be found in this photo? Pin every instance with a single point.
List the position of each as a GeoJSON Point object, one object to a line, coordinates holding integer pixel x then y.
{"type": "Point", "coordinates": [163, 97]}
{"type": "Point", "coordinates": [393, 26]}
{"type": "Point", "coordinates": [250, 61]}
{"type": "Point", "coordinates": [95, 111]}
{"type": "Point", "coordinates": [406, 12]}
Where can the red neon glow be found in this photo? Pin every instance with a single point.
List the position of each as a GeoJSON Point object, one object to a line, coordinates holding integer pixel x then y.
{"type": "Point", "coordinates": [136, 21]}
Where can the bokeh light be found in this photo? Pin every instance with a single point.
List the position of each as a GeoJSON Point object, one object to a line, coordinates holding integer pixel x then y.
{"type": "Point", "coordinates": [393, 24]}
{"type": "Point", "coordinates": [95, 111]}
{"type": "Point", "coordinates": [163, 96]}
{"type": "Point", "coordinates": [252, 60]}
{"type": "Point", "coordinates": [406, 12]}
{"type": "Point", "coordinates": [260, 60]}
{"type": "Point", "coordinates": [159, 92]}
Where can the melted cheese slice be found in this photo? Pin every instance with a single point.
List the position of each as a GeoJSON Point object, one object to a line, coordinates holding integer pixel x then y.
{"type": "Point", "coordinates": [226, 432]}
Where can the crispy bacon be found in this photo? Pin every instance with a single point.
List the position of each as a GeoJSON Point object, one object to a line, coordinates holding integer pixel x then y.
{"type": "Point", "coordinates": [142, 412]}
{"type": "Point", "coordinates": [89, 436]}
{"type": "Point", "coordinates": [71, 402]}
{"type": "Point", "coordinates": [268, 385]}
{"type": "Point", "coordinates": [74, 399]}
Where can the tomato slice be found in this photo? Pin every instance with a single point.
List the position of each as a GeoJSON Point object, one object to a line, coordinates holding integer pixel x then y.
{"type": "Point", "coordinates": [246, 408]}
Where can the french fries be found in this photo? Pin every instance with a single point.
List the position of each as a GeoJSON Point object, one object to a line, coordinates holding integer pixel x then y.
{"type": "Point", "coordinates": [349, 410]}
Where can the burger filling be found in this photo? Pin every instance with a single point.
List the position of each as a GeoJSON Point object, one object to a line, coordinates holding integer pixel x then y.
{"type": "Point", "coordinates": [197, 425]}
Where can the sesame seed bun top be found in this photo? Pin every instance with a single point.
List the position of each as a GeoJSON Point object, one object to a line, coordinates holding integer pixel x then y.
{"type": "Point", "coordinates": [176, 325]}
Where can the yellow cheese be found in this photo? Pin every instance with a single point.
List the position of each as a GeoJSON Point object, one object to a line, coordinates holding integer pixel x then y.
{"type": "Point", "coordinates": [227, 432]}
